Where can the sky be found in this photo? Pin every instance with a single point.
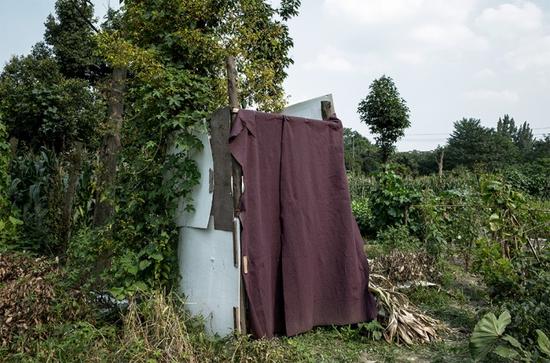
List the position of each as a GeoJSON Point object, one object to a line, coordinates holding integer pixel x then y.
{"type": "Point", "coordinates": [449, 58]}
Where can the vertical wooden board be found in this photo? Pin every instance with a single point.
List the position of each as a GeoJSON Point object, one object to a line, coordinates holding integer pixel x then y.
{"type": "Point", "coordinates": [222, 207]}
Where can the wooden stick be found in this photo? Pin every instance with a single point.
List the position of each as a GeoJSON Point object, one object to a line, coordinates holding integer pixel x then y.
{"type": "Point", "coordinates": [237, 174]}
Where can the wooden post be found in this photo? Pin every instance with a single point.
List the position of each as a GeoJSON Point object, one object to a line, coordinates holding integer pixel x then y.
{"type": "Point", "coordinates": [237, 175]}
{"type": "Point", "coordinates": [326, 110]}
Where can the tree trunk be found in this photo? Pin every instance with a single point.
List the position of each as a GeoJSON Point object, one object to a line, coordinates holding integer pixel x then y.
{"type": "Point", "coordinates": [75, 160]}
{"type": "Point", "coordinates": [104, 207]}
{"type": "Point", "coordinates": [440, 163]}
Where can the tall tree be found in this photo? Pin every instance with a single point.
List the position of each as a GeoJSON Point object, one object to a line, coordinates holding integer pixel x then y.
{"type": "Point", "coordinates": [386, 113]}
{"type": "Point", "coordinates": [524, 139]}
{"type": "Point", "coordinates": [71, 34]}
{"type": "Point", "coordinates": [42, 107]}
{"type": "Point", "coordinates": [468, 143]}
{"type": "Point", "coordinates": [472, 144]}
{"type": "Point", "coordinates": [506, 126]}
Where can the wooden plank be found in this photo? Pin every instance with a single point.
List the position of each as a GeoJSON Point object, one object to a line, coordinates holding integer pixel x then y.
{"type": "Point", "coordinates": [222, 203]}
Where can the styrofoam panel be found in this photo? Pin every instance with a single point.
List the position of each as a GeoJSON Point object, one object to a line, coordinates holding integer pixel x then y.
{"type": "Point", "coordinates": [210, 281]}
{"type": "Point", "coordinates": [201, 194]}
{"type": "Point", "coordinates": [309, 109]}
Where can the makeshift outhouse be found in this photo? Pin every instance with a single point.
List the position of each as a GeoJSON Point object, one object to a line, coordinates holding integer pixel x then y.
{"type": "Point", "coordinates": [209, 246]}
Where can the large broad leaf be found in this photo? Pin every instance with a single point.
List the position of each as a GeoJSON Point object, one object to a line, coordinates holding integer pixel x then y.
{"type": "Point", "coordinates": [486, 332]}
{"type": "Point", "coordinates": [544, 342]}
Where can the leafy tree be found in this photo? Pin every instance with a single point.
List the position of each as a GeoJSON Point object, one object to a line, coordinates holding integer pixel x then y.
{"type": "Point", "coordinates": [41, 107]}
{"type": "Point", "coordinates": [506, 126]}
{"type": "Point", "coordinates": [71, 34]}
{"type": "Point", "coordinates": [473, 145]}
{"type": "Point", "coordinates": [468, 144]}
{"type": "Point", "coordinates": [418, 162]}
{"type": "Point", "coordinates": [360, 155]}
{"type": "Point", "coordinates": [386, 113]}
{"type": "Point", "coordinates": [524, 139]}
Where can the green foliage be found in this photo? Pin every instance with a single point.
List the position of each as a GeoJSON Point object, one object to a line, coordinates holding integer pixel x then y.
{"type": "Point", "coordinates": [488, 338]}
{"type": "Point", "coordinates": [70, 33]}
{"type": "Point", "coordinates": [475, 146]}
{"type": "Point", "coordinates": [386, 113]}
{"type": "Point", "coordinates": [362, 213]}
{"type": "Point", "coordinates": [398, 237]}
{"type": "Point", "coordinates": [175, 54]}
{"type": "Point", "coordinates": [41, 107]}
{"type": "Point", "coordinates": [8, 220]}
{"type": "Point", "coordinates": [360, 156]}
{"type": "Point", "coordinates": [530, 178]}
{"type": "Point", "coordinates": [37, 191]}
{"type": "Point", "coordinates": [486, 334]}
{"type": "Point", "coordinates": [418, 162]}
{"type": "Point", "coordinates": [392, 200]}
{"type": "Point", "coordinates": [527, 298]}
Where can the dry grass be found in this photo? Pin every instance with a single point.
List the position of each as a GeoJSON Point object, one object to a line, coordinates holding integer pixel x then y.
{"type": "Point", "coordinates": [156, 329]}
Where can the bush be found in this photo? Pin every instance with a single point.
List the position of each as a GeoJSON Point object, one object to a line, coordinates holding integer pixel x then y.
{"type": "Point", "coordinates": [37, 191]}
{"type": "Point", "coordinates": [391, 200]}
{"type": "Point", "coordinates": [398, 238]}
{"type": "Point", "coordinates": [8, 221]}
{"type": "Point", "coordinates": [363, 214]}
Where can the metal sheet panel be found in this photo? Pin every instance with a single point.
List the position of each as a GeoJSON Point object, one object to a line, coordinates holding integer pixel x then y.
{"type": "Point", "coordinates": [210, 281]}
{"type": "Point", "coordinates": [308, 109]}
{"type": "Point", "coordinates": [202, 193]}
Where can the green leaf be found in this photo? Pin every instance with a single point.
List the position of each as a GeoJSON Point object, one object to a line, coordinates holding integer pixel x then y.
{"type": "Point", "coordinates": [156, 256]}
{"type": "Point", "coordinates": [486, 332]}
{"type": "Point", "coordinates": [15, 221]}
{"type": "Point", "coordinates": [143, 264]}
{"type": "Point", "coordinates": [505, 352]}
{"type": "Point", "coordinates": [513, 341]}
{"type": "Point", "coordinates": [543, 342]}
{"type": "Point", "coordinates": [132, 269]}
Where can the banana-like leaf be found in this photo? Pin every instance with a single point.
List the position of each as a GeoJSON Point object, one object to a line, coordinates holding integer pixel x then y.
{"type": "Point", "coordinates": [486, 332]}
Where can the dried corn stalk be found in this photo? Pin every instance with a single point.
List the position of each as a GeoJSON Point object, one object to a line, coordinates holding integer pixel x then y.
{"type": "Point", "coordinates": [401, 266]}
{"type": "Point", "coordinates": [403, 321]}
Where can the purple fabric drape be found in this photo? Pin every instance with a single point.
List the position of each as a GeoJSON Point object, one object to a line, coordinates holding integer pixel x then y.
{"type": "Point", "coordinates": [306, 265]}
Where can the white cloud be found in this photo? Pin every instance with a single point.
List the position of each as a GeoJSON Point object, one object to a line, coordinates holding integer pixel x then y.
{"type": "Point", "coordinates": [329, 60]}
{"type": "Point", "coordinates": [454, 36]}
{"type": "Point", "coordinates": [377, 12]}
{"type": "Point", "coordinates": [510, 20]}
{"type": "Point", "coordinates": [374, 11]}
{"type": "Point", "coordinates": [486, 95]}
{"type": "Point", "coordinates": [485, 74]}
{"type": "Point", "coordinates": [413, 58]}
{"type": "Point", "coordinates": [529, 55]}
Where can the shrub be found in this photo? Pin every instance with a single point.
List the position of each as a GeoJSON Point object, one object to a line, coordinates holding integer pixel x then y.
{"type": "Point", "coordinates": [363, 214]}
{"type": "Point", "coordinates": [8, 220]}
{"type": "Point", "coordinates": [399, 238]}
{"type": "Point", "coordinates": [391, 200]}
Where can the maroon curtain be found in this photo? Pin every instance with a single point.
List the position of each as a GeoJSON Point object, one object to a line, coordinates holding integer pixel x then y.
{"type": "Point", "coordinates": [306, 265]}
